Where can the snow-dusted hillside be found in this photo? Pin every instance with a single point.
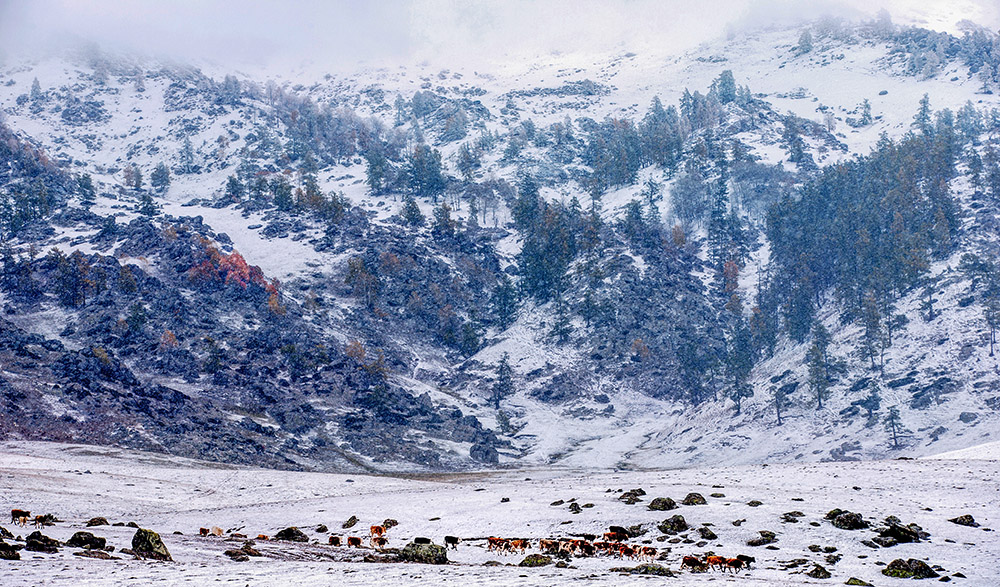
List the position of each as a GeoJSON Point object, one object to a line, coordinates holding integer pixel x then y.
{"type": "Point", "coordinates": [130, 112]}
{"type": "Point", "coordinates": [175, 497]}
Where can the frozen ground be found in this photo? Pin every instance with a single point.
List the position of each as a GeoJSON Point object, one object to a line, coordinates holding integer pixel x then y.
{"type": "Point", "coordinates": [169, 494]}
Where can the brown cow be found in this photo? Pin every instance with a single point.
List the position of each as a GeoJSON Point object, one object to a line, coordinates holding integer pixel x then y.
{"type": "Point", "coordinates": [377, 531]}
{"type": "Point", "coordinates": [734, 564]}
{"type": "Point", "coordinates": [452, 541]}
{"type": "Point", "coordinates": [747, 560]}
{"type": "Point", "coordinates": [548, 546]}
{"type": "Point", "coordinates": [335, 541]}
{"type": "Point", "coordinates": [693, 562]}
{"type": "Point", "coordinates": [648, 553]}
{"type": "Point", "coordinates": [203, 531]}
{"type": "Point", "coordinates": [16, 515]}
{"type": "Point", "coordinates": [39, 521]}
{"type": "Point", "coordinates": [354, 541]}
{"type": "Point", "coordinates": [379, 542]}
{"type": "Point", "coordinates": [716, 561]}
{"type": "Point", "coordinates": [263, 537]}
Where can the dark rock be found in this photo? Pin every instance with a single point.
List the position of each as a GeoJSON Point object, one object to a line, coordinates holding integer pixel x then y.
{"type": "Point", "coordinates": [575, 508]}
{"type": "Point", "coordinates": [98, 554]}
{"type": "Point", "coordinates": [859, 582]}
{"type": "Point", "coordinates": [909, 569]}
{"type": "Point", "coordinates": [766, 537]}
{"type": "Point", "coordinates": [322, 529]}
{"type": "Point", "coordinates": [87, 540]}
{"type": "Point", "coordinates": [707, 533]}
{"type": "Point", "coordinates": [965, 520]}
{"type": "Point", "coordinates": [632, 496]}
{"type": "Point", "coordinates": [38, 542]}
{"type": "Point", "coordinates": [819, 572]}
{"type": "Point", "coordinates": [673, 525]}
{"type": "Point", "coordinates": [132, 525]}
{"type": "Point", "coordinates": [5, 534]}
{"type": "Point", "coordinates": [389, 523]}
{"type": "Point", "coordinates": [662, 504]}
{"type": "Point", "coordinates": [885, 541]}
{"type": "Point", "coordinates": [291, 534]}
{"type": "Point", "coordinates": [755, 503]}
{"type": "Point", "coordinates": [484, 453]}
{"type": "Point", "coordinates": [645, 569]}
{"type": "Point", "coordinates": [791, 517]}
{"type": "Point", "coordinates": [237, 555]}
{"type": "Point", "coordinates": [850, 521]}
{"type": "Point", "coordinates": [7, 552]}
{"type": "Point", "coordinates": [535, 560]}
{"type": "Point", "coordinates": [869, 544]}
{"type": "Point", "coordinates": [557, 502]}
{"type": "Point", "coordinates": [895, 529]}
{"type": "Point", "coordinates": [422, 540]}
{"type": "Point", "coordinates": [350, 522]}
{"type": "Point", "coordinates": [430, 554]}
{"type": "Point", "coordinates": [694, 499]}
{"type": "Point", "coordinates": [98, 521]}
{"type": "Point", "coordinates": [147, 544]}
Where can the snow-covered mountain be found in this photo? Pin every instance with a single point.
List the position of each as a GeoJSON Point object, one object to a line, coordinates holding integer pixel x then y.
{"type": "Point", "coordinates": [365, 338]}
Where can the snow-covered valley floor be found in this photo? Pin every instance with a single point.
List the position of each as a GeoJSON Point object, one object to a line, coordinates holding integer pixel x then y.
{"type": "Point", "coordinates": [169, 495]}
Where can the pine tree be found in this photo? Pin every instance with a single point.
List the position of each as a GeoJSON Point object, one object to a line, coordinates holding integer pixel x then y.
{"type": "Point", "coordinates": [160, 178]}
{"type": "Point", "coordinates": [866, 113]}
{"type": "Point", "coordinates": [36, 91]}
{"type": "Point", "coordinates": [443, 226]}
{"type": "Point", "coordinates": [894, 426]}
{"type": "Point", "coordinates": [871, 402]}
{"type": "Point", "coordinates": [725, 87]}
{"type": "Point", "coordinates": [187, 156]}
{"type": "Point", "coordinates": [780, 397]}
{"type": "Point", "coordinates": [922, 119]}
{"type": "Point", "coordinates": [561, 327]}
{"type": "Point", "coordinates": [805, 43]}
{"type": "Point", "coordinates": [504, 384]}
{"type": "Point", "coordinates": [147, 207]}
{"type": "Point", "coordinates": [504, 302]}
{"type": "Point", "coordinates": [411, 212]}
{"type": "Point", "coordinates": [376, 169]}
{"type": "Point", "coordinates": [991, 314]}
{"type": "Point", "coordinates": [85, 187]}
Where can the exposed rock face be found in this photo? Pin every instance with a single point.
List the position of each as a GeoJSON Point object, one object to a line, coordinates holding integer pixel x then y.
{"type": "Point", "coordinates": [291, 534]}
{"type": "Point", "coordinates": [430, 554]}
{"type": "Point", "coordinates": [147, 544]}
{"type": "Point", "coordinates": [7, 552]}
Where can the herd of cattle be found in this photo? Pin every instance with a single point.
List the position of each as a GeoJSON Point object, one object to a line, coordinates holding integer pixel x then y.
{"type": "Point", "coordinates": [22, 518]}
{"type": "Point", "coordinates": [613, 544]}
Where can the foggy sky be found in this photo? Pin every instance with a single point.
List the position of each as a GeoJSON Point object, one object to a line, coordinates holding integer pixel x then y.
{"type": "Point", "coordinates": [345, 32]}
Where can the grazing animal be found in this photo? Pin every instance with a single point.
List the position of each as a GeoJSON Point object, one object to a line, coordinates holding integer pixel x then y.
{"type": "Point", "coordinates": [216, 531]}
{"type": "Point", "coordinates": [548, 546]}
{"type": "Point", "coordinates": [263, 537]}
{"type": "Point", "coordinates": [587, 549]}
{"type": "Point", "coordinates": [648, 553]}
{"type": "Point", "coordinates": [335, 541]}
{"type": "Point", "coordinates": [693, 562]}
{"type": "Point", "coordinates": [377, 531]}
{"type": "Point", "coordinates": [354, 541]}
{"type": "Point", "coordinates": [615, 536]}
{"type": "Point", "coordinates": [716, 561]}
{"type": "Point", "coordinates": [521, 545]}
{"type": "Point", "coordinates": [747, 560]}
{"type": "Point", "coordinates": [452, 541]}
{"type": "Point", "coordinates": [39, 521]}
{"type": "Point", "coordinates": [734, 564]}
{"type": "Point", "coordinates": [23, 521]}
{"type": "Point", "coordinates": [16, 515]}
{"type": "Point", "coordinates": [203, 531]}
{"type": "Point", "coordinates": [379, 542]}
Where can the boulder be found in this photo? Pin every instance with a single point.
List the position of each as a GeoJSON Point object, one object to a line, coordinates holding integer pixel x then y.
{"type": "Point", "coordinates": [147, 544]}
{"type": "Point", "coordinates": [5, 534]}
{"type": "Point", "coordinates": [98, 521]}
{"type": "Point", "coordinates": [322, 529]}
{"type": "Point", "coordinates": [87, 540]}
{"type": "Point", "coordinates": [673, 525]}
{"type": "Point", "coordinates": [292, 534]}
{"type": "Point", "coordinates": [8, 553]}
{"type": "Point", "coordinates": [430, 554]}
{"type": "Point", "coordinates": [644, 569]}
{"type": "Point", "coordinates": [819, 572]}
{"type": "Point", "coordinates": [766, 537]}
{"type": "Point", "coordinates": [858, 582]}
{"type": "Point", "coordinates": [662, 504]}
{"type": "Point", "coordinates": [237, 555]}
{"type": "Point", "coordinates": [694, 499]}
{"type": "Point", "coordinates": [535, 560]}
{"type": "Point", "coordinates": [965, 520]}
{"type": "Point", "coordinates": [37, 542]}
{"type": "Point", "coordinates": [389, 523]}
{"type": "Point", "coordinates": [707, 534]}
{"type": "Point", "coordinates": [896, 530]}
{"type": "Point", "coordinates": [349, 523]}
{"type": "Point", "coordinates": [849, 521]}
{"type": "Point", "coordinates": [909, 569]}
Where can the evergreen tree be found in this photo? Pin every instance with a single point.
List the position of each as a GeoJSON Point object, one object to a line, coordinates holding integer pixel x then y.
{"type": "Point", "coordinates": [411, 212]}
{"type": "Point", "coordinates": [504, 302]}
{"type": "Point", "coordinates": [281, 193]}
{"type": "Point", "coordinates": [780, 397]}
{"type": "Point", "coordinates": [725, 87]}
{"type": "Point", "coordinates": [36, 91]}
{"type": "Point", "coordinates": [991, 314]}
{"type": "Point", "coordinates": [235, 190]}
{"type": "Point", "coordinates": [147, 207]}
{"type": "Point", "coordinates": [871, 402]}
{"type": "Point", "coordinates": [894, 426]}
{"type": "Point", "coordinates": [423, 172]}
{"type": "Point", "coordinates": [504, 384]}
{"type": "Point", "coordinates": [805, 44]}
{"type": "Point", "coordinates": [376, 169]}
{"type": "Point", "coordinates": [187, 156]}
{"type": "Point", "coordinates": [866, 113]}
{"type": "Point", "coordinates": [85, 187]}
{"type": "Point", "coordinates": [922, 119]}
{"type": "Point", "coordinates": [443, 226]}
{"type": "Point", "coordinates": [160, 178]}
{"type": "Point", "coordinates": [561, 327]}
